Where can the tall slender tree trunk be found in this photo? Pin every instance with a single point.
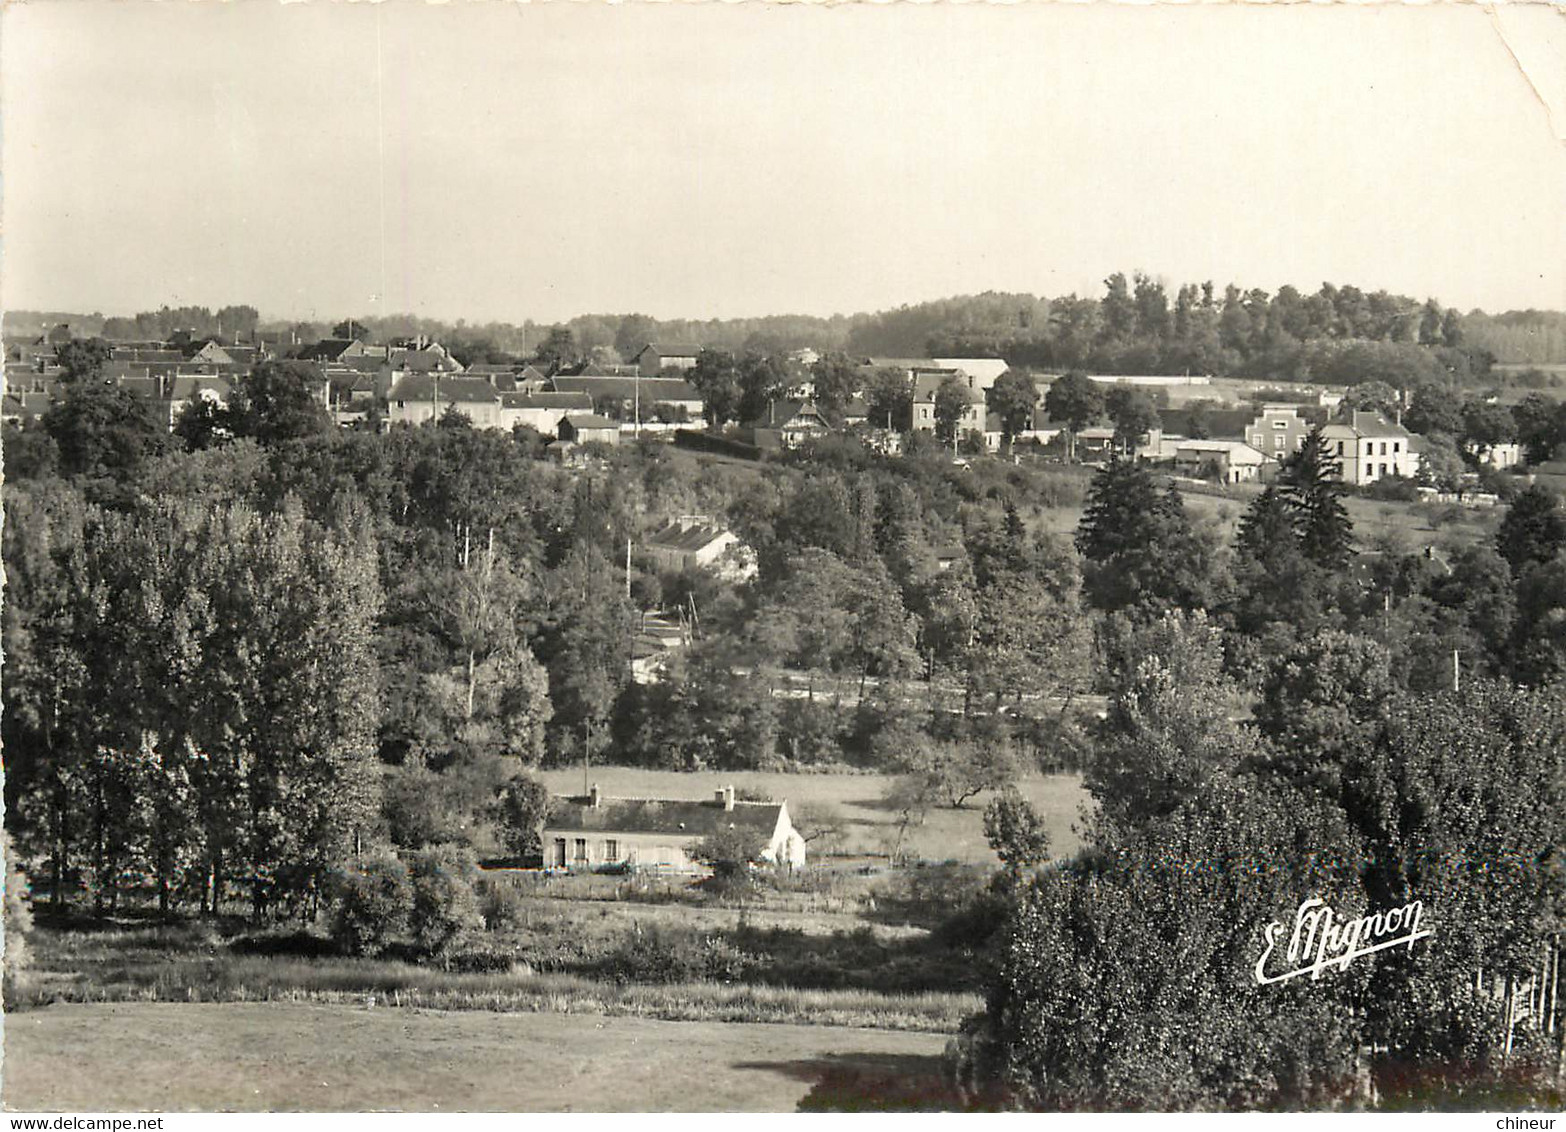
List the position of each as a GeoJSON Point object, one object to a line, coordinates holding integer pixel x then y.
{"type": "Point", "coordinates": [57, 865]}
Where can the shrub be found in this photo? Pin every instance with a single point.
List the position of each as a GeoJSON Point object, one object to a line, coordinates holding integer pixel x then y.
{"type": "Point", "coordinates": [499, 903]}
{"type": "Point", "coordinates": [729, 852]}
{"type": "Point", "coordinates": [650, 956]}
{"type": "Point", "coordinates": [1396, 489]}
{"type": "Point", "coordinates": [445, 910]}
{"type": "Point", "coordinates": [293, 943]}
{"type": "Point", "coordinates": [484, 960]}
{"type": "Point", "coordinates": [372, 904]}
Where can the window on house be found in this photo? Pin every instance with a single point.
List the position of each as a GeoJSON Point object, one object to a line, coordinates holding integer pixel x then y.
{"type": "Point", "coordinates": [611, 850]}
{"type": "Point", "coordinates": [1383, 447]}
{"type": "Point", "coordinates": [1280, 424]}
{"type": "Point", "coordinates": [581, 849]}
{"type": "Point", "coordinates": [560, 852]}
{"type": "Point", "coordinates": [1370, 449]}
{"type": "Point", "coordinates": [1396, 446]}
{"type": "Point", "coordinates": [1278, 441]}
{"type": "Point", "coordinates": [1383, 469]}
{"type": "Point", "coordinates": [1340, 448]}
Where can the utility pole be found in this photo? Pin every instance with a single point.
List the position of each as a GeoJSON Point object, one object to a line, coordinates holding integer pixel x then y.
{"type": "Point", "coordinates": [1456, 672]}
{"type": "Point", "coordinates": [627, 569]}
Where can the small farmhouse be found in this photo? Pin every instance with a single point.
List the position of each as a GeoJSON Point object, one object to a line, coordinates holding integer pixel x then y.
{"type": "Point", "coordinates": [593, 831]}
{"type": "Point", "coordinates": [695, 542]}
{"type": "Point", "coordinates": [788, 424]}
{"type": "Point", "coordinates": [584, 428]}
{"type": "Point", "coordinates": [655, 357]}
{"type": "Point", "coordinates": [1234, 460]}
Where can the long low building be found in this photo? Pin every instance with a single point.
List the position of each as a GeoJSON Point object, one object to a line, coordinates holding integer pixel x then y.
{"type": "Point", "coordinates": [591, 831]}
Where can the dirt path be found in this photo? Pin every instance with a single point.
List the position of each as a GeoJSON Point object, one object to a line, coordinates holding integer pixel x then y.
{"type": "Point", "coordinates": [271, 1056]}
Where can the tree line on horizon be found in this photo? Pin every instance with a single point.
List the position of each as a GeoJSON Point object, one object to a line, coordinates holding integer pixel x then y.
{"type": "Point", "coordinates": [1136, 326]}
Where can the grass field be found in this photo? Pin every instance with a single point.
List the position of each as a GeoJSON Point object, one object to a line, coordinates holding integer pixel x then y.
{"type": "Point", "coordinates": [955, 835]}
{"type": "Point", "coordinates": [271, 1057]}
{"type": "Point", "coordinates": [1409, 526]}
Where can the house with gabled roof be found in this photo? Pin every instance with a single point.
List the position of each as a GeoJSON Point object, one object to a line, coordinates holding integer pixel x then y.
{"type": "Point", "coordinates": [1234, 460]}
{"type": "Point", "coordinates": [1368, 447]}
{"type": "Point", "coordinates": [927, 383]}
{"type": "Point", "coordinates": [982, 373]}
{"type": "Point", "coordinates": [655, 357]}
{"type": "Point", "coordinates": [541, 412]}
{"type": "Point", "coordinates": [432, 358]}
{"type": "Point", "coordinates": [329, 349]}
{"type": "Point", "coordinates": [696, 542]}
{"type": "Point", "coordinates": [592, 832]}
{"type": "Point", "coordinates": [788, 424]}
{"type": "Point", "coordinates": [420, 397]}
{"type": "Point", "coordinates": [586, 428]}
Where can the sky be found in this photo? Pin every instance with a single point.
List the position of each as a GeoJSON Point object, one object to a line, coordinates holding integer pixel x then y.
{"type": "Point", "coordinates": [500, 161]}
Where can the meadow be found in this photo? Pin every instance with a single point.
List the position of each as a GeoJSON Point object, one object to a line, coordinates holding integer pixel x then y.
{"type": "Point", "coordinates": [252, 1057]}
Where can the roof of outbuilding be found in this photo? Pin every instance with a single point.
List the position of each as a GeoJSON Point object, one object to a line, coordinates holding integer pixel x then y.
{"type": "Point", "coordinates": [684, 537]}
{"type": "Point", "coordinates": [581, 421]}
{"type": "Point", "coordinates": [652, 815]}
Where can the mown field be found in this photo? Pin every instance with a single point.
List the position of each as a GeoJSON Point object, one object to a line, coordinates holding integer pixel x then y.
{"type": "Point", "coordinates": [945, 835]}
{"type": "Point", "coordinates": [298, 1057]}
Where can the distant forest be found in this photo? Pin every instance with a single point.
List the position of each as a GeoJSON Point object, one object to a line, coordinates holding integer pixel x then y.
{"type": "Point", "coordinates": [1336, 334]}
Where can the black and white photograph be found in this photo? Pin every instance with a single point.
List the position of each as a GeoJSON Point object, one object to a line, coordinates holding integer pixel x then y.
{"type": "Point", "coordinates": [769, 557]}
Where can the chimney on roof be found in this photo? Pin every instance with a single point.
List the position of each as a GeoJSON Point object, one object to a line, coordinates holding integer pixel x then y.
{"type": "Point", "coordinates": [595, 797]}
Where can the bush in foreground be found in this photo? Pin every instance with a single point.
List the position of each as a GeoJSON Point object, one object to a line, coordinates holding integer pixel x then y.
{"type": "Point", "coordinates": [445, 911]}
{"type": "Point", "coordinates": [371, 904]}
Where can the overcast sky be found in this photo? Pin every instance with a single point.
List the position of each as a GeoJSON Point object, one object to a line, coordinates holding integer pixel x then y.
{"type": "Point", "coordinates": [501, 161]}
